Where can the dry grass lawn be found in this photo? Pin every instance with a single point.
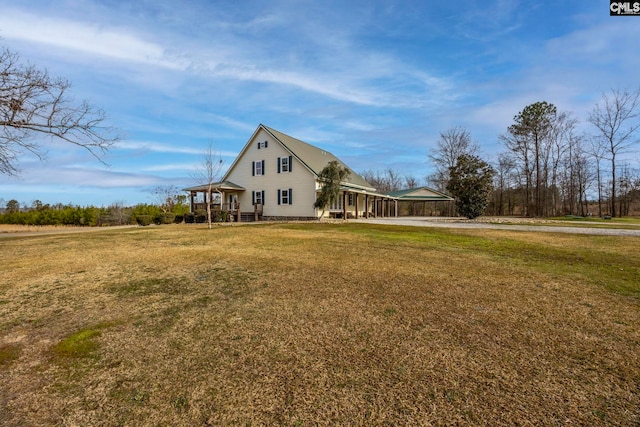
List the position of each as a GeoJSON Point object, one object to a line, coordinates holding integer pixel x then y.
{"type": "Point", "coordinates": [10, 228]}
{"type": "Point", "coordinates": [319, 324]}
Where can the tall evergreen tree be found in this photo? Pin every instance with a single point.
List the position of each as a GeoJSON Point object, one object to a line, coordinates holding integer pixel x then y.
{"type": "Point", "coordinates": [529, 140]}
{"type": "Point", "coordinates": [470, 182]}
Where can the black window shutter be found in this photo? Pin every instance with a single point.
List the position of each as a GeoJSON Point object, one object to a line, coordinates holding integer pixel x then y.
{"type": "Point", "coordinates": [279, 160]}
{"type": "Point", "coordinates": [279, 197]}
{"type": "Point", "coordinates": [253, 168]}
{"type": "Point", "coordinates": [290, 196]}
{"type": "Point", "coordinates": [266, 144]}
{"type": "Point", "coordinates": [253, 197]}
{"type": "Point", "coordinates": [263, 197]}
{"type": "Point", "coordinates": [263, 167]}
{"type": "Point", "coordinates": [290, 163]}
{"type": "Point", "coordinates": [258, 145]}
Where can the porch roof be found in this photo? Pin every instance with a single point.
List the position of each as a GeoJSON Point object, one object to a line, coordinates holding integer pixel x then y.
{"type": "Point", "coordinates": [216, 186]}
{"type": "Point", "coordinates": [351, 189]}
{"type": "Point", "coordinates": [420, 194]}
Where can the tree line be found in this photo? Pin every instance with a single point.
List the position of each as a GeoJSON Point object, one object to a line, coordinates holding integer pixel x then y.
{"type": "Point", "coordinates": [167, 210]}
{"type": "Point", "coordinates": [549, 167]}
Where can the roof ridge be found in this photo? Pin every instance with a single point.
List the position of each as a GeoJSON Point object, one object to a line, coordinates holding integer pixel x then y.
{"type": "Point", "coordinates": [355, 178]}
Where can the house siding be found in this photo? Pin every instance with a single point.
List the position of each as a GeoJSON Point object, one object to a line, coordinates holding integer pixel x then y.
{"type": "Point", "coordinates": [300, 180]}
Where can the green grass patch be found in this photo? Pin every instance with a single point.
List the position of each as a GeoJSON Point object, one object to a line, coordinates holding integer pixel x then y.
{"type": "Point", "coordinates": [629, 223]}
{"type": "Point", "coordinates": [596, 260]}
{"type": "Point", "coordinates": [80, 344]}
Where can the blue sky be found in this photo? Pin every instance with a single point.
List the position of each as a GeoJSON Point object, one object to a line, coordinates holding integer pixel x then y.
{"type": "Point", "coordinates": [374, 82]}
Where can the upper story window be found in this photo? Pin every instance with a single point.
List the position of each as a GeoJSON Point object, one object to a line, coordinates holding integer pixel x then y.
{"type": "Point", "coordinates": [257, 168]}
{"type": "Point", "coordinates": [285, 164]}
{"type": "Point", "coordinates": [263, 144]}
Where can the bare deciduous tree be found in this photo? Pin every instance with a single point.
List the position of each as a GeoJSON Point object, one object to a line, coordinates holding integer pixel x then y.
{"type": "Point", "coordinates": [453, 143]}
{"type": "Point", "coordinates": [208, 174]}
{"type": "Point", "coordinates": [166, 196]}
{"type": "Point", "coordinates": [383, 182]}
{"type": "Point", "coordinates": [33, 104]}
{"type": "Point", "coordinates": [411, 181]}
{"type": "Point", "coordinates": [504, 171]}
{"type": "Point", "coordinates": [616, 122]}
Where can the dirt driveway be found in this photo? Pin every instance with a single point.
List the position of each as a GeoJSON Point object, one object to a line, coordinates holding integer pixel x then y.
{"type": "Point", "coordinates": [496, 223]}
{"type": "Point", "coordinates": [514, 224]}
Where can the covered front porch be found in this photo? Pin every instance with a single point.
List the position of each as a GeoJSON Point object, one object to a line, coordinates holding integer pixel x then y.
{"type": "Point", "coordinates": [357, 203]}
{"type": "Point", "coordinates": [220, 197]}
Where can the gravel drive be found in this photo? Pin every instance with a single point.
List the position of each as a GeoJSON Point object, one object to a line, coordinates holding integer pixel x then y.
{"type": "Point", "coordinates": [513, 224]}
{"type": "Point", "coordinates": [521, 225]}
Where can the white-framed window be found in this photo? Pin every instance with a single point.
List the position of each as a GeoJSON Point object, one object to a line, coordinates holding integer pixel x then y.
{"type": "Point", "coordinates": [337, 204]}
{"type": "Point", "coordinates": [284, 164]}
{"type": "Point", "coordinates": [257, 197]}
{"type": "Point", "coordinates": [285, 197]}
{"type": "Point", "coordinates": [263, 144]}
{"type": "Point", "coordinates": [257, 168]}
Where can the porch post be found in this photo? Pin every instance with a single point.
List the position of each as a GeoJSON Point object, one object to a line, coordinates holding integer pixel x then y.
{"type": "Point", "coordinates": [191, 193]}
{"type": "Point", "coordinates": [366, 206]}
{"type": "Point", "coordinates": [395, 202]}
{"type": "Point", "coordinates": [357, 206]}
{"type": "Point", "coordinates": [382, 207]}
{"type": "Point", "coordinates": [344, 205]}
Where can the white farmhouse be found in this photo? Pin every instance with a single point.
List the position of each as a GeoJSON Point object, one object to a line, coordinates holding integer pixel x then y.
{"type": "Point", "coordinates": [275, 176]}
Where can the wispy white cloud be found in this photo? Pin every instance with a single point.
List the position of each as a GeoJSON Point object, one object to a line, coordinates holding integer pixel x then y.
{"type": "Point", "coordinates": [601, 44]}
{"type": "Point", "coordinates": [85, 177]}
{"type": "Point", "coordinates": [183, 167]}
{"type": "Point", "coordinates": [489, 20]}
{"type": "Point", "coordinates": [167, 148]}
{"type": "Point", "coordinates": [327, 76]}
{"type": "Point", "coordinates": [156, 147]}
{"type": "Point", "coordinates": [111, 42]}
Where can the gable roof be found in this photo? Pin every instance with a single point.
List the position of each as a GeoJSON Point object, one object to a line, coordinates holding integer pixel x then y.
{"type": "Point", "coordinates": [420, 194]}
{"type": "Point", "coordinates": [314, 158]}
{"type": "Point", "coordinates": [216, 186]}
